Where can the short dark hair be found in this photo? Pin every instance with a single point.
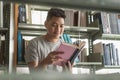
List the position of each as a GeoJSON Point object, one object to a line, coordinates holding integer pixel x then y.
{"type": "Point", "coordinates": [56, 12]}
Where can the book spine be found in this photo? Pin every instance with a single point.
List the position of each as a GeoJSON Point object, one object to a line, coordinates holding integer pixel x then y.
{"type": "Point", "coordinates": [74, 56]}
{"type": "Point", "coordinates": [106, 56]}
{"type": "Point", "coordinates": [113, 23]}
{"type": "Point", "coordinates": [114, 54]}
{"type": "Point", "coordinates": [117, 56]}
{"type": "Point", "coordinates": [62, 38]}
{"type": "Point", "coordinates": [19, 55]}
{"type": "Point", "coordinates": [111, 54]}
{"type": "Point", "coordinates": [23, 50]}
{"type": "Point", "coordinates": [22, 14]}
{"type": "Point", "coordinates": [83, 21]}
{"type": "Point", "coordinates": [69, 17]}
{"type": "Point", "coordinates": [65, 38]}
{"type": "Point", "coordinates": [68, 38]}
{"type": "Point", "coordinates": [119, 26]}
{"type": "Point", "coordinates": [105, 22]}
{"type": "Point", "coordinates": [75, 18]}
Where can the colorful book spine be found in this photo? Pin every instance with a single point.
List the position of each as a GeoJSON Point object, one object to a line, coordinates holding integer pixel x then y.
{"type": "Point", "coordinates": [65, 38]}
{"type": "Point", "coordinates": [68, 38]}
{"type": "Point", "coordinates": [19, 55]}
{"type": "Point", "coordinates": [106, 55]}
{"type": "Point", "coordinates": [22, 14]}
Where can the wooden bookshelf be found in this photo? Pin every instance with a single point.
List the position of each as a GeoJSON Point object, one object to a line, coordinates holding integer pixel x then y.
{"type": "Point", "coordinates": [15, 36]}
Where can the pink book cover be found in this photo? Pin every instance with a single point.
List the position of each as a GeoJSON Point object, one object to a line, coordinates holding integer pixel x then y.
{"type": "Point", "coordinates": [68, 52]}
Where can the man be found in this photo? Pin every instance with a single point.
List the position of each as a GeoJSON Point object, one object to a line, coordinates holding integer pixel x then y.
{"type": "Point", "coordinates": [40, 53]}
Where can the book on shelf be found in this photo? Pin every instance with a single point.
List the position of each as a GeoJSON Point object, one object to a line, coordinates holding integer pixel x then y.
{"type": "Point", "coordinates": [97, 54]}
{"type": "Point", "coordinates": [6, 15]}
{"type": "Point", "coordinates": [95, 57]}
{"type": "Point", "coordinates": [98, 48]}
{"type": "Point", "coordinates": [28, 14]}
{"type": "Point", "coordinates": [80, 18]}
{"type": "Point", "coordinates": [83, 19]}
{"type": "Point", "coordinates": [2, 52]}
{"type": "Point", "coordinates": [83, 56]}
{"type": "Point", "coordinates": [108, 51]}
{"type": "Point", "coordinates": [113, 18]}
{"type": "Point", "coordinates": [69, 17]}
{"type": "Point", "coordinates": [66, 38]}
{"type": "Point", "coordinates": [70, 52]}
{"type": "Point", "coordinates": [22, 43]}
{"type": "Point", "coordinates": [38, 16]}
{"type": "Point", "coordinates": [109, 22]}
{"type": "Point", "coordinates": [106, 56]}
{"type": "Point", "coordinates": [118, 57]}
{"type": "Point", "coordinates": [76, 19]}
{"type": "Point", "coordinates": [105, 23]}
{"type": "Point", "coordinates": [19, 50]}
{"type": "Point", "coordinates": [22, 13]}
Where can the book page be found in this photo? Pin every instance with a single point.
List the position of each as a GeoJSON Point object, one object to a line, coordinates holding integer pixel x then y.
{"type": "Point", "coordinates": [68, 52]}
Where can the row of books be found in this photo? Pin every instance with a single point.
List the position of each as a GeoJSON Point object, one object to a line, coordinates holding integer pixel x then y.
{"type": "Point", "coordinates": [30, 16]}
{"type": "Point", "coordinates": [111, 55]}
{"type": "Point", "coordinates": [66, 38]}
{"type": "Point", "coordinates": [107, 53]}
{"type": "Point", "coordinates": [27, 14]}
{"type": "Point", "coordinates": [22, 43]}
{"type": "Point", "coordinates": [110, 22]}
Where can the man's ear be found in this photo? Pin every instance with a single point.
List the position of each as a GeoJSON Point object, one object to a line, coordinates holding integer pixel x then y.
{"type": "Point", "coordinates": [45, 23]}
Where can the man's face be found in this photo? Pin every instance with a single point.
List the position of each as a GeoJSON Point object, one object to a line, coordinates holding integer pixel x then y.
{"type": "Point", "coordinates": [55, 27]}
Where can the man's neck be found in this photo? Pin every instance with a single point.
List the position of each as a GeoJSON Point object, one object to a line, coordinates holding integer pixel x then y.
{"type": "Point", "coordinates": [50, 39]}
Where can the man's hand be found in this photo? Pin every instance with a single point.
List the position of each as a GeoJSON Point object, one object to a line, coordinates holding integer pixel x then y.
{"type": "Point", "coordinates": [67, 67]}
{"type": "Point", "coordinates": [52, 58]}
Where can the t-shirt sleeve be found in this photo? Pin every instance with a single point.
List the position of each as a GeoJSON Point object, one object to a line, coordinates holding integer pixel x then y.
{"type": "Point", "coordinates": [31, 52]}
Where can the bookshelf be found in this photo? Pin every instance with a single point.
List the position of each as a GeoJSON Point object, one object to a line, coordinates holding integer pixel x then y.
{"type": "Point", "coordinates": [104, 5]}
{"type": "Point", "coordinates": [72, 30]}
{"type": "Point", "coordinates": [93, 66]}
{"type": "Point", "coordinates": [110, 39]}
{"type": "Point", "coordinates": [110, 36]}
{"type": "Point", "coordinates": [3, 30]}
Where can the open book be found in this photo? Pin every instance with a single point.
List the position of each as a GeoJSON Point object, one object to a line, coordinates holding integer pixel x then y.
{"type": "Point", "coordinates": [70, 52]}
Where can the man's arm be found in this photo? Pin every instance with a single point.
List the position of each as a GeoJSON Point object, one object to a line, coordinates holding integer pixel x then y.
{"type": "Point", "coordinates": [36, 66]}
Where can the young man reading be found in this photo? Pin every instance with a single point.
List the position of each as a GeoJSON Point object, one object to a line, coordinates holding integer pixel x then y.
{"type": "Point", "coordinates": [40, 53]}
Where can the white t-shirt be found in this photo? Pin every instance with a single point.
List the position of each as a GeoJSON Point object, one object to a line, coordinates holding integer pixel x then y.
{"type": "Point", "coordinates": [38, 49]}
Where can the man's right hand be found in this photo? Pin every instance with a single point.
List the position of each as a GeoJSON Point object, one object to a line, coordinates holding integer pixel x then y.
{"type": "Point", "coordinates": [52, 58]}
